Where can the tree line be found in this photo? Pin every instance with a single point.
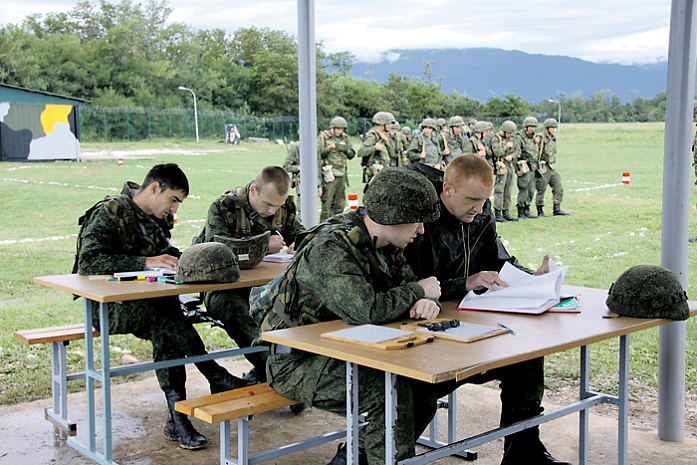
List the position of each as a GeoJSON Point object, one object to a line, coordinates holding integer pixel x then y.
{"type": "Point", "coordinates": [126, 55]}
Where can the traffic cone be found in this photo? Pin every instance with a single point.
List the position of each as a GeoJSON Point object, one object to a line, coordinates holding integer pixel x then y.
{"type": "Point", "coordinates": [353, 201]}
{"type": "Point", "coordinates": [120, 161]}
{"type": "Point", "coordinates": [625, 178]}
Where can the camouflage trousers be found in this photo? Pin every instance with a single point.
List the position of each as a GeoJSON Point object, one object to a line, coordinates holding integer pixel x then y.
{"type": "Point", "coordinates": [552, 179]}
{"type": "Point", "coordinates": [321, 382]}
{"type": "Point", "coordinates": [503, 188]}
{"type": "Point", "coordinates": [333, 198]}
{"type": "Point", "coordinates": [231, 307]}
{"type": "Point", "coordinates": [526, 189]}
{"type": "Point", "coordinates": [161, 322]}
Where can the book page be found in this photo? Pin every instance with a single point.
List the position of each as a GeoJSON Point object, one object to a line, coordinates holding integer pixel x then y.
{"type": "Point", "coordinates": [281, 257]}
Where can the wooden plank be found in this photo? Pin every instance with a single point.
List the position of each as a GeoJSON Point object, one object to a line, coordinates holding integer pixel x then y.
{"type": "Point", "coordinates": [237, 408]}
{"type": "Point", "coordinates": [190, 405]}
{"type": "Point", "coordinates": [53, 334]}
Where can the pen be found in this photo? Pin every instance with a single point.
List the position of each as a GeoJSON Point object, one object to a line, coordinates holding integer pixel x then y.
{"type": "Point", "coordinates": [279, 235]}
{"type": "Point", "coordinates": [128, 278]}
{"type": "Point", "coordinates": [166, 280]}
{"type": "Point", "coordinates": [506, 328]}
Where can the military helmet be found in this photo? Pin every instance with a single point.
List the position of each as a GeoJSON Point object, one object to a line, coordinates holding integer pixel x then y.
{"type": "Point", "coordinates": [397, 195]}
{"type": "Point", "coordinates": [456, 121]}
{"type": "Point", "coordinates": [391, 117]}
{"type": "Point", "coordinates": [338, 122]}
{"type": "Point", "coordinates": [550, 123]}
{"type": "Point", "coordinates": [406, 130]}
{"type": "Point", "coordinates": [440, 122]}
{"type": "Point", "coordinates": [396, 126]}
{"type": "Point", "coordinates": [648, 291]}
{"type": "Point", "coordinates": [429, 123]}
{"type": "Point", "coordinates": [207, 262]}
{"type": "Point", "coordinates": [472, 121]}
{"type": "Point", "coordinates": [382, 117]}
{"type": "Point", "coordinates": [249, 251]}
{"type": "Point", "coordinates": [481, 126]}
{"type": "Point", "coordinates": [530, 121]}
{"type": "Point", "coordinates": [508, 126]}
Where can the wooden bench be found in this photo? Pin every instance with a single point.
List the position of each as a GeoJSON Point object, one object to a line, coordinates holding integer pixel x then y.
{"type": "Point", "coordinates": [59, 337]}
{"type": "Point", "coordinates": [242, 404]}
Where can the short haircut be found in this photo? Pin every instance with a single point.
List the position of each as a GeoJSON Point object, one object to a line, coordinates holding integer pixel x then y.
{"type": "Point", "coordinates": [275, 175]}
{"type": "Point", "coordinates": [169, 176]}
{"type": "Point", "coordinates": [468, 166]}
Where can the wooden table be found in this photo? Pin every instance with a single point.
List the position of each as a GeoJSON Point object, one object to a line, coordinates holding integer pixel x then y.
{"type": "Point", "coordinates": [443, 360]}
{"type": "Point", "coordinates": [105, 292]}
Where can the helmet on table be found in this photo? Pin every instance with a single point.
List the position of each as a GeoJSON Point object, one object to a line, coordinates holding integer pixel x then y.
{"type": "Point", "coordinates": [250, 251]}
{"type": "Point", "coordinates": [207, 262]}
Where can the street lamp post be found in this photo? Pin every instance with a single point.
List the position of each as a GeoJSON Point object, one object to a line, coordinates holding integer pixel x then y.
{"type": "Point", "coordinates": [195, 111]}
{"type": "Point", "coordinates": [559, 118]}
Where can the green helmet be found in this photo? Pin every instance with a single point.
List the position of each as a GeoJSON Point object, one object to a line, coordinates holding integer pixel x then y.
{"type": "Point", "coordinates": [456, 121]}
{"type": "Point", "coordinates": [508, 126]}
{"type": "Point", "coordinates": [648, 291]}
{"type": "Point", "coordinates": [338, 122]}
{"type": "Point", "coordinates": [207, 262]}
{"type": "Point", "coordinates": [382, 117]}
{"type": "Point", "coordinates": [530, 121]}
{"type": "Point", "coordinates": [406, 130]}
{"type": "Point", "coordinates": [429, 123]}
{"type": "Point", "coordinates": [392, 118]}
{"type": "Point", "coordinates": [397, 195]}
{"type": "Point", "coordinates": [396, 126]}
{"type": "Point", "coordinates": [481, 126]}
{"type": "Point", "coordinates": [550, 123]}
{"type": "Point", "coordinates": [249, 251]}
{"type": "Point", "coordinates": [440, 122]}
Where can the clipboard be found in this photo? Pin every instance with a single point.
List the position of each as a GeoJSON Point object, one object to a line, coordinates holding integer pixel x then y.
{"type": "Point", "coordinates": [380, 337]}
{"type": "Point", "coordinates": [466, 332]}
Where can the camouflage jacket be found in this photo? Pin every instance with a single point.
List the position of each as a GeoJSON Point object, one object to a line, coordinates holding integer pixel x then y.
{"type": "Point", "coordinates": [369, 155]}
{"type": "Point", "coordinates": [474, 144]}
{"type": "Point", "coordinates": [118, 236]}
{"type": "Point", "coordinates": [433, 154]}
{"type": "Point", "coordinates": [528, 147]}
{"type": "Point", "coordinates": [548, 149]}
{"type": "Point", "coordinates": [292, 165]}
{"type": "Point", "coordinates": [500, 149]}
{"type": "Point", "coordinates": [456, 144]}
{"type": "Point", "coordinates": [364, 285]}
{"type": "Point", "coordinates": [337, 157]}
{"type": "Point", "coordinates": [231, 215]}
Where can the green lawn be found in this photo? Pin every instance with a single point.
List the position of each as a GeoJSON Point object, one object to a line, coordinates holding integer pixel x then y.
{"type": "Point", "coordinates": [611, 227]}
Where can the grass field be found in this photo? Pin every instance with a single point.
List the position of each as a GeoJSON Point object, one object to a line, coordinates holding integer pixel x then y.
{"type": "Point", "coordinates": [611, 227]}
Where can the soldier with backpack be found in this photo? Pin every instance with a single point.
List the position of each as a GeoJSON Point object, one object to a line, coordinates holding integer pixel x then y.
{"type": "Point", "coordinates": [335, 149]}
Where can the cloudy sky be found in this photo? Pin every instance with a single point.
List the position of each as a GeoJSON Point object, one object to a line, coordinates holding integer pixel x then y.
{"type": "Point", "coordinates": [615, 31]}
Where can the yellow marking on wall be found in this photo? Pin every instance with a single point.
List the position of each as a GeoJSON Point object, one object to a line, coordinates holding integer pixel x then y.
{"type": "Point", "coordinates": [55, 114]}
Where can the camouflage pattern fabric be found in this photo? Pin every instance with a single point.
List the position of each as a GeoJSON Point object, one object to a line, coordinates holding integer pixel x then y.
{"type": "Point", "coordinates": [479, 147]}
{"type": "Point", "coordinates": [504, 169]}
{"type": "Point", "coordinates": [525, 167]}
{"type": "Point", "coordinates": [433, 153]}
{"type": "Point", "coordinates": [456, 144]}
{"type": "Point", "coordinates": [550, 176]}
{"type": "Point", "coordinates": [375, 160]}
{"type": "Point", "coordinates": [334, 192]}
{"type": "Point", "coordinates": [208, 262]}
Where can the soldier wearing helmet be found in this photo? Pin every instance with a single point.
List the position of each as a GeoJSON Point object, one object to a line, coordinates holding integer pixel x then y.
{"type": "Point", "coordinates": [401, 143]}
{"type": "Point", "coordinates": [453, 139]}
{"type": "Point", "coordinates": [424, 146]}
{"type": "Point", "coordinates": [439, 136]}
{"type": "Point", "coordinates": [547, 166]}
{"type": "Point", "coordinates": [241, 213]}
{"type": "Point", "coordinates": [505, 151]}
{"type": "Point", "coordinates": [470, 127]}
{"type": "Point", "coordinates": [377, 150]}
{"type": "Point", "coordinates": [335, 149]}
{"type": "Point", "coordinates": [477, 143]}
{"type": "Point", "coordinates": [292, 165]}
{"type": "Point", "coordinates": [526, 166]}
{"type": "Point", "coordinates": [368, 283]}
{"type": "Point", "coordinates": [463, 250]}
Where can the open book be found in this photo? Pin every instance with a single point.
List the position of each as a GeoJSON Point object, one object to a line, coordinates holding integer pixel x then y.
{"type": "Point", "coordinates": [525, 293]}
{"type": "Point", "coordinates": [280, 257]}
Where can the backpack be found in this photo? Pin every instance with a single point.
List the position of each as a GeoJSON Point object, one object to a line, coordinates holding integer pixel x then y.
{"type": "Point", "coordinates": [83, 221]}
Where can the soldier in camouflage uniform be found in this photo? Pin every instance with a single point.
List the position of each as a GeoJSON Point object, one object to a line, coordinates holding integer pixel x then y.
{"type": "Point", "coordinates": [292, 166]}
{"type": "Point", "coordinates": [335, 149]}
{"type": "Point", "coordinates": [260, 206]}
{"type": "Point", "coordinates": [505, 151]}
{"type": "Point", "coordinates": [526, 165]}
{"type": "Point", "coordinates": [438, 137]}
{"type": "Point", "coordinates": [377, 149]}
{"type": "Point", "coordinates": [405, 140]}
{"type": "Point", "coordinates": [454, 139]}
{"type": "Point", "coordinates": [401, 144]}
{"type": "Point", "coordinates": [464, 251]}
{"type": "Point", "coordinates": [477, 142]}
{"type": "Point", "coordinates": [470, 128]}
{"type": "Point", "coordinates": [132, 232]}
{"type": "Point", "coordinates": [547, 166]}
{"type": "Point", "coordinates": [424, 147]}
{"type": "Point", "coordinates": [368, 283]}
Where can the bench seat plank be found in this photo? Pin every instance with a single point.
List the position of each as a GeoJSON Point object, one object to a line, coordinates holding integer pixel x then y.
{"type": "Point", "coordinates": [53, 334]}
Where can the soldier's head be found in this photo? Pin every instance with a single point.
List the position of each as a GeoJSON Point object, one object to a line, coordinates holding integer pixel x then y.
{"type": "Point", "coordinates": [481, 127]}
{"type": "Point", "coordinates": [456, 123]}
{"type": "Point", "coordinates": [530, 124]}
{"type": "Point", "coordinates": [383, 119]}
{"type": "Point", "coordinates": [467, 183]}
{"type": "Point", "coordinates": [338, 125]}
{"type": "Point", "coordinates": [440, 122]}
{"type": "Point", "coordinates": [269, 190]}
{"type": "Point", "coordinates": [397, 203]}
{"type": "Point", "coordinates": [165, 186]}
{"type": "Point", "coordinates": [508, 127]}
{"type": "Point", "coordinates": [428, 126]}
{"type": "Point", "coordinates": [406, 130]}
{"type": "Point", "coordinates": [550, 125]}
{"type": "Point", "coordinates": [471, 123]}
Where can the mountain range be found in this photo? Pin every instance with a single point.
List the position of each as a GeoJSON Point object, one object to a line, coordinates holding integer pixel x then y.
{"type": "Point", "coordinates": [481, 73]}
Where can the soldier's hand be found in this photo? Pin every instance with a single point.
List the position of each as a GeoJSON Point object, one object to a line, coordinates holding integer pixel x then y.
{"type": "Point", "coordinates": [319, 191]}
{"type": "Point", "coordinates": [162, 261]}
{"type": "Point", "coordinates": [544, 268]}
{"type": "Point", "coordinates": [276, 243]}
{"type": "Point", "coordinates": [485, 280]}
{"type": "Point", "coordinates": [291, 248]}
{"type": "Point", "coordinates": [446, 151]}
{"type": "Point", "coordinates": [431, 287]}
{"type": "Point", "coordinates": [379, 147]}
{"type": "Point", "coordinates": [331, 146]}
{"type": "Point", "coordinates": [424, 309]}
{"type": "Point", "coordinates": [509, 144]}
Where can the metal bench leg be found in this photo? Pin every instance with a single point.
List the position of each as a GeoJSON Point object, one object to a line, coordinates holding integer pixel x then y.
{"type": "Point", "coordinates": [225, 442]}
{"type": "Point", "coordinates": [58, 412]}
{"type": "Point", "coordinates": [243, 440]}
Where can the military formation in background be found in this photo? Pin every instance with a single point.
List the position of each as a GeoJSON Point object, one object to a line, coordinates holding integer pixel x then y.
{"type": "Point", "coordinates": [524, 158]}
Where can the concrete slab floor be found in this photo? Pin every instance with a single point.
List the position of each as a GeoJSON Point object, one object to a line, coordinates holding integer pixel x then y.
{"type": "Point", "coordinates": [139, 415]}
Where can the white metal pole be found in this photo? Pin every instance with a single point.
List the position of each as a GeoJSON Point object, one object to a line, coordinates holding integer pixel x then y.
{"type": "Point", "coordinates": [195, 109]}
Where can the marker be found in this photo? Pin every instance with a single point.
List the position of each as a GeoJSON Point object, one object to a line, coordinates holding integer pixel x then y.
{"type": "Point", "coordinates": [128, 278]}
{"type": "Point", "coordinates": [166, 280]}
{"type": "Point", "coordinates": [506, 328]}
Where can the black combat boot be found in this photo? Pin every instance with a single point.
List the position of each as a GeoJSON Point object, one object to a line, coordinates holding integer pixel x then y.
{"type": "Point", "coordinates": [499, 218]}
{"type": "Point", "coordinates": [521, 213]}
{"type": "Point", "coordinates": [340, 457]}
{"type": "Point", "coordinates": [558, 211]}
{"type": "Point", "coordinates": [525, 447]}
{"type": "Point", "coordinates": [178, 426]}
{"type": "Point", "coordinates": [255, 376]}
{"type": "Point", "coordinates": [219, 378]}
{"type": "Point", "coordinates": [508, 217]}
{"type": "Point", "coordinates": [541, 212]}
{"type": "Point", "coordinates": [528, 214]}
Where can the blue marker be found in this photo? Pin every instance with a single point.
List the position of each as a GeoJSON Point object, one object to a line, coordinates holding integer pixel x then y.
{"type": "Point", "coordinates": [506, 328]}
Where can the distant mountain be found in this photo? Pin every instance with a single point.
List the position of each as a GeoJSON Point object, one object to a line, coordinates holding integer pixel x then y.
{"type": "Point", "coordinates": [482, 72]}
